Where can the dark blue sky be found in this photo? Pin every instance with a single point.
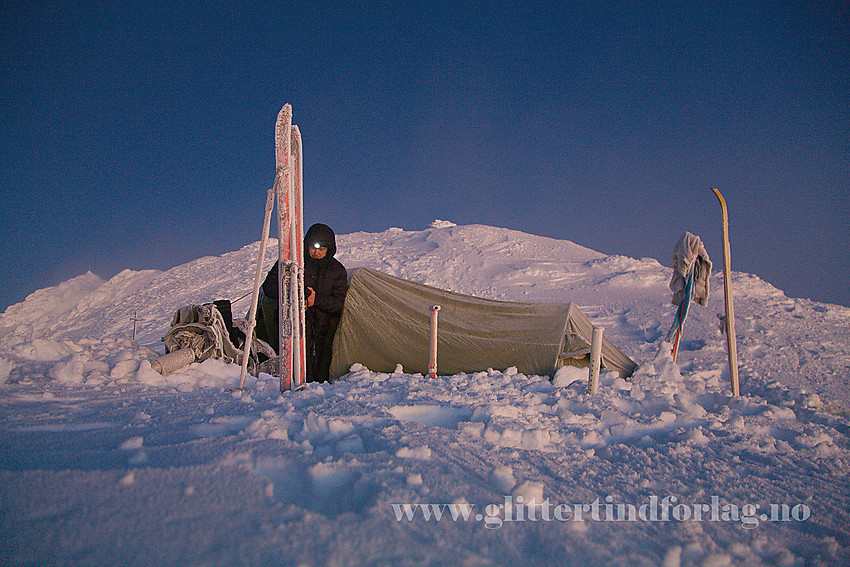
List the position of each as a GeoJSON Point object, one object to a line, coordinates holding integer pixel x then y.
{"type": "Point", "coordinates": [141, 136]}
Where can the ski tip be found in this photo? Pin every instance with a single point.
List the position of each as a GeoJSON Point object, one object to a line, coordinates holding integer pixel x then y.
{"type": "Point", "coordinates": [718, 194]}
{"type": "Point", "coordinates": [285, 111]}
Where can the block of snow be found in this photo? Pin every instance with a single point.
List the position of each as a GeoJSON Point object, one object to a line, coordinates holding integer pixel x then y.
{"type": "Point", "coordinates": [535, 439]}
{"type": "Point", "coordinates": [69, 370]}
{"type": "Point", "coordinates": [422, 453]}
{"type": "Point", "coordinates": [147, 375]}
{"type": "Point", "coordinates": [43, 350]}
{"type": "Point", "coordinates": [529, 493]}
{"type": "Point", "coordinates": [502, 479]}
{"type": "Point", "coordinates": [566, 375]}
{"type": "Point", "coordinates": [123, 368]}
{"type": "Point", "coordinates": [132, 444]}
{"type": "Point", "coordinates": [442, 224]}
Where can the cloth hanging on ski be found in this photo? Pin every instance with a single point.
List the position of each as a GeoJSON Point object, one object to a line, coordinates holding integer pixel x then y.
{"type": "Point", "coordinates": [675, 332]}
{"type": "Point", "coordinates": [203, 329]}
{"type": "Point", "coordinates": [690, 254]}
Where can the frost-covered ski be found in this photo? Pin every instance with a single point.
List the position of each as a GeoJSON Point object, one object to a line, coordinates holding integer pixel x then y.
{"type": "Point", "coordinates": [729, 316]}
{"type": "Point", "coordinates": [291, 258]}
{"type": "Point", "coordinates": [299, 314]}
{"type": "Point", "coordinates": [287, 190]}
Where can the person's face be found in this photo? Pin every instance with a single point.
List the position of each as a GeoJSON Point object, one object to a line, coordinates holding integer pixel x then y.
{"type": "Point", "coordinates": [318, 253]}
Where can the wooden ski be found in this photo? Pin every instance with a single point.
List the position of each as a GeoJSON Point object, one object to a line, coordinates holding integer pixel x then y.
{"type": "Point", "coordinates": [286, 252]}
{"type": "Point", "coordinates": [287, 192]}
{"type": "Point", "coordinates": [298, 303]}
{"type": "Point", "coordinates": [291, 255]}
{"type": "Point", "coordinates": [729, 317]}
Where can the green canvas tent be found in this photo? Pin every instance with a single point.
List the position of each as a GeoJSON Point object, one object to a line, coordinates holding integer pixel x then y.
{"type": "Point", "coordinates": [386, 321]}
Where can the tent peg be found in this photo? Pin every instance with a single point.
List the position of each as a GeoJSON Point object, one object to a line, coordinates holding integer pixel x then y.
{"type": "Point", "coordinates": [595, 359]}
{"type": "Point", "coordinates": [432, 361]}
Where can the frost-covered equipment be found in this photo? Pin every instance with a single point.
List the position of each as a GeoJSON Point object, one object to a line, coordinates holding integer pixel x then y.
{"type": "Point", "coordinates": [288, 191]}
{"type": "Point", "coordinates": [291, 317]}
{"type": "Point", "coordinates": [729, 318]}
{"type": "Point", "coordinates": [174, 360]}
{"type": "Point", "coordinates": [690, 282]}
{"type": "Point", "coordinates": [199, 332]}
{"type": "Point", "coordinates": [432, 358]}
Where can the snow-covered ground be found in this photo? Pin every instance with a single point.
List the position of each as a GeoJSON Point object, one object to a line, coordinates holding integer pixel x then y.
{"type": "Point", "coordinates": [105, 462]}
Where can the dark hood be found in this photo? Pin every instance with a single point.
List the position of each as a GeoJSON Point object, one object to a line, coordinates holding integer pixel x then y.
{"type": "Point", "coordinates": [324, 235]}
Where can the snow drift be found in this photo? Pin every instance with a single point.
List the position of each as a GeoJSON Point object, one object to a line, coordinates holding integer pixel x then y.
{"type": "Point", "coordinates": [104, 461]}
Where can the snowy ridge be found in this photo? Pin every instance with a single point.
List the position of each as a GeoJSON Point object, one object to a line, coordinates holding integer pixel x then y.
{"type": "Point", "coordinates": [91, 435]}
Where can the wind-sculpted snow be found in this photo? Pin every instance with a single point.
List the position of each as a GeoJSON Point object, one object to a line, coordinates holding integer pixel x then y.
{"type": "Point", "coordinates": [103, 461]}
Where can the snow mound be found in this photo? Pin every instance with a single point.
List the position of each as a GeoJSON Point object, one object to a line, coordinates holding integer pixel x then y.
{"type": "Point", "coordinates": [491, 467]}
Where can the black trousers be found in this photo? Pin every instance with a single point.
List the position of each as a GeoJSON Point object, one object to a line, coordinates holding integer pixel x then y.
{"type": "Point", "coordinates": [319, 348]}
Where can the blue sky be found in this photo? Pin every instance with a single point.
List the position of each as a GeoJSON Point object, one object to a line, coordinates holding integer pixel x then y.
{"type": "Point", "coordinates": [141, 136]}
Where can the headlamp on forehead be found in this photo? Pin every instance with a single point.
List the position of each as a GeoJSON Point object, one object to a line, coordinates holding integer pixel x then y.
{"type": "Point", "coordinates": [317, 245]}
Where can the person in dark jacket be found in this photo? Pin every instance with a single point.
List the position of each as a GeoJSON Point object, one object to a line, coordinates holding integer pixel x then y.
{"type": "Point", "coordinates": [325, 285]}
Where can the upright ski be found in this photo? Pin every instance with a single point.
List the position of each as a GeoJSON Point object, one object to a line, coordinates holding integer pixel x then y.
{"type": "Point", "coordinates": [299, 317]}
{"type": "Point", "coordinates": [291, 256]}
{"type": "Point", "coordinates": [729, 317]}
{"type": "Point", "coordinates": [288, 192]}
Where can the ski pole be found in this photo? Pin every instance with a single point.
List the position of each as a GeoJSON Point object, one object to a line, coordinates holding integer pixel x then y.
{"type": "Point", "coordinates": [252, 314]}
